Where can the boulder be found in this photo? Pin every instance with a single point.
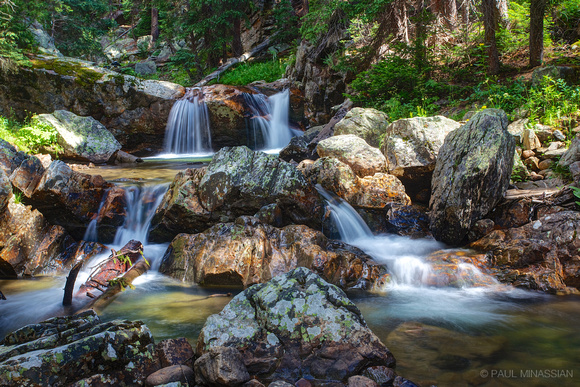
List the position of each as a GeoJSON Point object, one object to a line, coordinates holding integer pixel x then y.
{"type": "Point", "coordinates": [135, 111]}
{"type": "Point", "coordinates": [517, 129]}
{"type": "Point", "coordinates": [355, 152]}
{"type": "Point", "coordinates": [297, 325]}
{"type": "Point", "coordinates": [81, 138]}
{"type": "Point", "coordinates": [27, 175]}
{"type": "Point", "coordinates": [171, 352]}
{"type": "Point", "coordinates": [29, 245]}
{"type": "Point", "coordinates": [369, 124]}
{"type": "Point", "coordinates": [45, 42]}
{"type": "Point", "coordinates": [530, 141]}
{"type": "Point", "coordinates": [540, 255]}
{"type": "Point", "coordinates": [298, 149]}
{"type": "Point", "coordinates": [10, 157]}
{"type": "Point", "coordinates": [471, 175]}
{"type": "Point", "coordinates": [236, 182]}
{"type": "Point", "coordinates": [221, 366]}
{"type": "Point", "coordinates": [145, 68]}
{"type": "Point", "coordinates": [171, 374]}
{"type": "Point", "coordinates": [572, 154]}
{"type": "Point", "coordinates": [248, 252]}
{"type": "Point", "coordinates": [411, 146]}
{"type": "Point", "coordinates": [374, 191]}
{"type": "Point", "coordinates": [5, 191]}
{"type": "Point", "coordinates": [63, 350]}
{"type": "Point", "coordinates": [68, 198]}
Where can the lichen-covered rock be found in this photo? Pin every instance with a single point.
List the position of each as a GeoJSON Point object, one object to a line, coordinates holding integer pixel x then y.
{"type": "Point", "coordinates": [63, 350]}
{"type": "Point", "coordinates": [172, 352]}
{"type": "Point", "coordinates": [248, 252]}
{"type": "Point", "coordinates": [68, 198]}
{"type": "Point", "coordinates": [471, 175]}
{"type": "Point", "coordinates": [81, 138]}
{"type": "Point", "coordinates": [374, 191]}
{"type": "Point", "coordinates": [411, 146]}
{"type": "Point", "coordinates": [354, 151]}
{"type": "Point", "coordinates": [297, 325]}
{"type": "Point", "coordinates": [540, 255]}
{"type": "Point", "coordinates": [236, 182]}
{"type": "Point", "coordinates": [369, 124]}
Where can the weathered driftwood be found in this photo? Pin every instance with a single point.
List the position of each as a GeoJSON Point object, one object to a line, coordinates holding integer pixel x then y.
{"type": "Point", "coordinates": [70, 283]}
{"type": "Point", "coordinates": [115, 287]}
{"type": "Point", "coordinates": [242, 58]}
{"type": "Point", "coordinates": [117, 264]}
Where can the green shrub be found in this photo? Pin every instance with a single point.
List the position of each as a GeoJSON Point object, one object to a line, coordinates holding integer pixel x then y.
{"type": "Point", "coordinates": [249, 72]}
{"type": "Point", "coordinates": [31, 136]}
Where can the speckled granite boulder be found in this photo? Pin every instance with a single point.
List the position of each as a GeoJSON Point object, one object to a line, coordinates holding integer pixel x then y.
{"type": "Point", "coordinates": [471, 175]}
{"type": "Point", "coordinates": [367, 123]}
{"type": "Point", "coordinates": [63, 350]}
{"type": "Point", "coordinates": [297, 325]}
{"type": "Point", "coordinates": [81, 138]}
{"type": "Point", "coordinates": [354, 151]}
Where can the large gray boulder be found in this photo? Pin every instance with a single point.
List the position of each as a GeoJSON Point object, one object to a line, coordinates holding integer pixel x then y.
{"type": "Point", "coordinates": [471, 175]}
{"type": "Point", "coordinates": [411, 146]}
{"type": "Point", "coordinates": [81, 138]}
{"type": "Point", "coordinates": [367, 123]}
{"type": "Point", "coordinates": [236, 182]}
{"type": "Point", "coordinates": [572, 154]}
{"type": "Point", "coordinates": [296, 325]}
{"type": "Point", "coordinates": [355, 152]}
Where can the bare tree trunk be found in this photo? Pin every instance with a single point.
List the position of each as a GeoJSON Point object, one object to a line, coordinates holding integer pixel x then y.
{"type": "Point", "coordinates": [237, 37]}
{"type": "Point", "coordinates": [490, 25]}
{"type": "Point", "coordinates": [451, 14]}
{"type": "Point", "coordinates": [537, 10]}
{"type": "Point", "coordinates": [154, 25]}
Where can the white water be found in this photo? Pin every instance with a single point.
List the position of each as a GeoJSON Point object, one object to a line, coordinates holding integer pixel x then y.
{"type": "Point", "coordinates": [188, 129]}
{"type": "Point", "coordinates": [270, 119]}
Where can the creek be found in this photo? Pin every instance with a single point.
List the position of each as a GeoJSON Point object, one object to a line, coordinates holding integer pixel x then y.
{"type": "Point", "coordinates": [450, 336]}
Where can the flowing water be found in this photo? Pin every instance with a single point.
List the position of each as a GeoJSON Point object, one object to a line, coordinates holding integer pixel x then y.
{"type": "Point", "coordinates": [269, 122]}
{"type": "Point", "coordinates": [462, 336]}
{"type": "Point", "coordinates": [188, 128]}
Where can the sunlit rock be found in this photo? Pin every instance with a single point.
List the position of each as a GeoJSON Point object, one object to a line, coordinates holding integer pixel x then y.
{"type": "Point", "coordinates": [355, 152]}
{"type": "Point", "coordinates": [369, 124]}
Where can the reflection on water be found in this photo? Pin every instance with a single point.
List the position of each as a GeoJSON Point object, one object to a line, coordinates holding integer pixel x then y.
{"type": "Point", "coordinates": [153, 170]}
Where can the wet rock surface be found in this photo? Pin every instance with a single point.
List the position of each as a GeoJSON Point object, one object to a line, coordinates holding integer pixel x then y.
{"type": "Point", "coordinates": [540, 255]}
{"type": "Point", "coordinates": [63, 350]}
{"type": "Point", "coordinates": [471, 175]}
{"type": "Point", "coordinates": [248, 252]}
{"type": "Point", "coordinates": [236, 182]}
{"type": "Point", "coordinates": [296, 326]}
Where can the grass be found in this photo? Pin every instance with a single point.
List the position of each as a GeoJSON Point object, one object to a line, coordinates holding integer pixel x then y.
{"type": "Point", "coordinates": [249, 72]}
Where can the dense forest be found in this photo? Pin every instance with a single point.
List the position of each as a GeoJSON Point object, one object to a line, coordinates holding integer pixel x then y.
{"type": "Point", "coordinates": [406, 57]}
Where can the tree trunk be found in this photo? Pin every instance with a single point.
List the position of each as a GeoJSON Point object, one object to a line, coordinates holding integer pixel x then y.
{"type": "Point", "coordinates": [537, 10]}
{"type": "Point", "coordinates": [490, 25]}
{"type": "Point", "coordinates": [237, 38]}
{"type": "Point", "coordinates": [451, 14]}
{"type": "Point", "coordinates": [154, 24]}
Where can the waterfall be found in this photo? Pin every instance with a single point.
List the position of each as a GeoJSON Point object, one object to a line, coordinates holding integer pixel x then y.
{"type": "Point", "coordinates": [351, 227]}
{"type": "Point", "coordinates": [142, 201]}
{"type": "Point", "coordinates": [188, 129]}
{"type": "Point", "coordinates": [269, 120]}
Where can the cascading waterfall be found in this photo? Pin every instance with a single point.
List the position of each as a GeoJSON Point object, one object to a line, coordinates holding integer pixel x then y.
{"type": "Point", "coordinates": [188, 128]}
{"type": "Point", "coordinates": [402, 255]}
{"type": "Point", "coordinates": [270, 119]}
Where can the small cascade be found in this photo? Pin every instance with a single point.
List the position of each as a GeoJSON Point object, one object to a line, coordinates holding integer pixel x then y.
{"type": "Point", "coordinates": [142, 201]}
{"type": "Point", "coordinates": [91, 233]}
{"type": "Point", "coordinates": [270, 120]}
{"type": "Point", "coordinates": [188, 128]}
{"type": "Point", "coordinates": [351, 227]}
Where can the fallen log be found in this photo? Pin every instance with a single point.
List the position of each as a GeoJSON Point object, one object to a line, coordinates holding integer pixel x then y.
{"type": "Point", "coordinates": [242, 58]}
{"type": "Point", "coordinates": [116, 286]}
{"type": "Point", "coordinates": [2, 297]}
{"type": "Point", "coordinates": [117, 264]}
{"type": "Point", "coordinates": [70, 283]}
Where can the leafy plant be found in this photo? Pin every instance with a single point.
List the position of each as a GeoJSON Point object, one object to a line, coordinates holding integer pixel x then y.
{"type": "Point", "coordinates": [31, 136]}
{"type": "Point", "coordinates": [576, 192]}
{"type": "Point", "coordinates": [249, 72]}
{"type": "Point", "coordinates": [122, 282]}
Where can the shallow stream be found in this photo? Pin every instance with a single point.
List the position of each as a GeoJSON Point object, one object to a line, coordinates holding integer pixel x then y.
{"type": "Point", "coordinates": [491, 336]}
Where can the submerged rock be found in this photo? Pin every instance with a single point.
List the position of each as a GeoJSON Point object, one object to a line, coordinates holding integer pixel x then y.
{"type": "Point", "coordinates": [369, 124]}
{"type": "Point", "coordinates": [248, 252]}
{"type": "Point", "coordinates": [297, 325]}
{"type": "Point", "coordinates": [236, 182]}
{"type": "Point", "coordinates": [411, 146]}
{"type": "Point", "coordinates": [540, 255]}
{"type": "Point", "coordinates": [354, 151]}
{"type": "Point", "coordinates": [63, 350]}
{"type": "Point", "coordinates": [471, 175]}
